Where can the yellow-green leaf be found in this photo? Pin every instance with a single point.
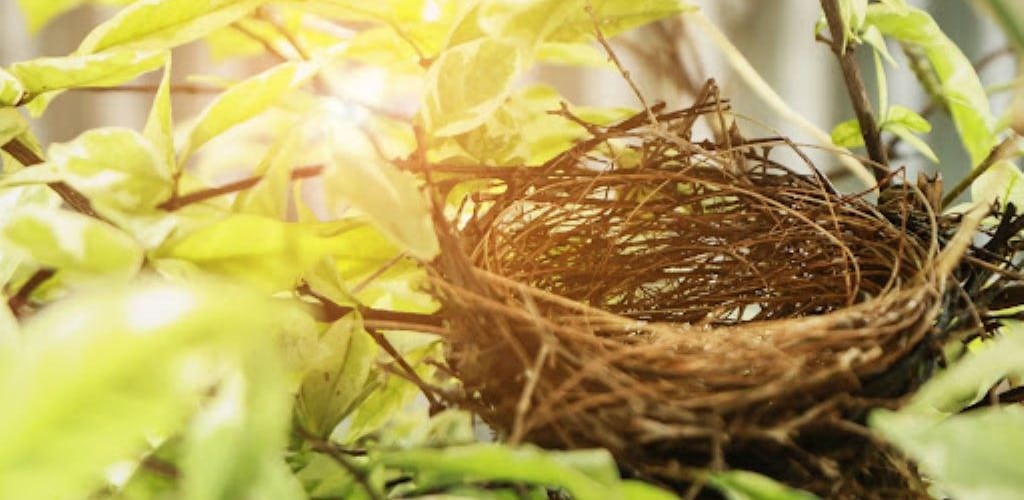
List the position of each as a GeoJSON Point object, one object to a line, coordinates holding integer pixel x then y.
{"type": "Point", "coordinates": [11, 90]}
{"type": "Point", "coordinates": [333, 389]}
{"type": "Point", "coordinates": [270, 195]}
{"type": "Point", "coordinates": [12, 124]}
{"type": "Point", "coordinates": [117, 168]}
{"type": "Point", "coordinates": [745, 485]}
{"type": "Point", "coordinates": [75, 244]}
{"type": "Point", "coordinates": [160, 123]}
{"type": "Point", "coordinates": [847, 134]}
{"type": "Point", "coordinates": [390, 197]}
{"type": "Point", "coordinates": [104, 69]}
{"type": "Point", "coordinates": [164, 24]}
{"type": "Point", "coordinates": [245, 100]}
{"type": "Point", "coordinates": [266, 252]}
{"type": "Point", "coordinates": [468, 83]}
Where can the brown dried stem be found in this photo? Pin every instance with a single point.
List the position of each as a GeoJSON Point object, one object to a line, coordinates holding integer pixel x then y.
{"type": "Point", "coordinates": [855, 87]}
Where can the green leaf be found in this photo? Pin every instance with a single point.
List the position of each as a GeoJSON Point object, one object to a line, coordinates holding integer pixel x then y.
{"type": "Point", "coordinates": [165, 24]}
{"type": "Point", "coordinates": [104, 69]}
{"type": "Point", "coordinates": [116, 168]}
{"type": "Point", "coordinates": [916, 142]}
{"type": "Point", "coordinates": [77, 245]}
{"type": "Point", "coordinates": [395, 393]}
{"type": "Point", "coordinates": [852, 13]}
{"type": "Point", "coordinates": [269, 253]}
{"type": "Point", "coordinates": [468, 83]}
{"type": "Point", "coordinates": [332, 390]}
{"type": "Point", "coordinates": [961, 87]}
{"type": "Point", "coordinates": [12, 124]}
{"type": "Point", "coordinates": [847, 134]}
{"type": "Point", "coordinates": [907, 118]}
{"type": "Point", "coordinates": [967, 381]}
{"type": "Point", "coordinates": [493, 462]}
{"type": "Point", "coordinates": [11, 90]}
{"type": "Point", "coordinates": [160, 123]}
{"type": "Point", "coordinates": [390, 197]}
{"type": "Point", "coordinates": [245, 100]}
{"type": "Point", "coordinates": [270, 195]}
{"type": "Point", "coordinates": [746, 485]}
{"type": "Point", "coordinates": [97, 374]}
{"type": "Point", "coordinates": [974, 455]}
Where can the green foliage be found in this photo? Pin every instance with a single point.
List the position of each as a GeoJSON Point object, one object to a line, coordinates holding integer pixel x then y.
{"type": "Point", "coordinates": [80, 394]}
{"type": "Point", "coordinates": [245, 100]}
{"type": "Point", "coordinates": [104, 69]}
{"type": "Point", "coordinates": [960, 86]}
{"type": "Point", "coordinates": [744, 485]}
{"type": "Point", "coordinates": [583, 474]}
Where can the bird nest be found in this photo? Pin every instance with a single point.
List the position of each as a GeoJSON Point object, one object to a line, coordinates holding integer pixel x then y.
{"type": "Point", "coordinates": [692, 304]}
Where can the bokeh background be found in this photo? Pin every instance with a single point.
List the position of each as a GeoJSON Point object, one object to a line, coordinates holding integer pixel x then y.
{"type": "Point", "coordinates": [667, 59]}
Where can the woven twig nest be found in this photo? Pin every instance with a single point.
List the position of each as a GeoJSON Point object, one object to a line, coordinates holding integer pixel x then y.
{"type": "Point", "coordinates": [691, 304]}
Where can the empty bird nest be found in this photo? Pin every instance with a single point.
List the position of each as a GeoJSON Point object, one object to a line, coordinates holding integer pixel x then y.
{"type": "Point", "coordinates": [691, 304]}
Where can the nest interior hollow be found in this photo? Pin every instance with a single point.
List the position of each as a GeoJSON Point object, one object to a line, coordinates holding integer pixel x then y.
{"type": "Point", "coordinates": [687, 303]}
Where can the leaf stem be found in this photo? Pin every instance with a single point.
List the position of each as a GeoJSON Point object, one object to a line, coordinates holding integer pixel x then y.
{"type": "Point", "coordinates": [856, 88]}
{"type": "Point", "coordinates": [178, 202]}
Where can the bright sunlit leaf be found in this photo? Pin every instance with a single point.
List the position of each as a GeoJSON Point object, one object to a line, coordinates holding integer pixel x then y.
{"type": "Point", "coordinates": [746, 485]}
{"type": "Point", "coordinates": [117, 168]}
{"type": "Point", "coordinates": [497, 463]}
{"type": "Point", "coordinates": [340, 381]}
{"type": "Point", "coordinates": [160, 123]}
{"type": "Point", "coordinates": [160, 25]}
{"type": "Point", "coordinates": [382, 192]}
{"type": "Point", "coordinates": [76, 244]}
{"type": "Point", "coordinates": [266, 252]}
{"type": "Point", "coordinates": [468, 83]}
{"type": "Point", "coordinates": [246, 100]}
{"type": "Point", "coordinates": [104, 69]}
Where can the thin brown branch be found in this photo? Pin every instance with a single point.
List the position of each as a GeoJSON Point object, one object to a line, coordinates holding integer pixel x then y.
{"type": "Point", "coordinates": [618, 64]}
{"type": "Point", "coordinates": [855, 87]}
{"type": "Point", "coordinates": [408, 372]}
{"type": "Point", "coordinates": [75, 199]}
{"type": "Point", "coordinates": [233, 187]}
{"type": "Point", "coordinates": [20, 301]}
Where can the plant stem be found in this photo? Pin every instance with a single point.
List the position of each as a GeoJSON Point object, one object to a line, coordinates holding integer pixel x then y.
{"type": "Point", "coordinates": [856, 88]}
{"type": "Point", "coordinates": [234, 187]}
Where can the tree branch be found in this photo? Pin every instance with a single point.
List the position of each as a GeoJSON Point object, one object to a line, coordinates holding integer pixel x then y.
{"type": "Point", "coordinates": [19, 301]}
{"type": "Point", "coordinates": [855, 87]}
{"type": "Point", "coordinates": [178, 202]}
{"type": "Point", "coordinates": [76, 200]}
